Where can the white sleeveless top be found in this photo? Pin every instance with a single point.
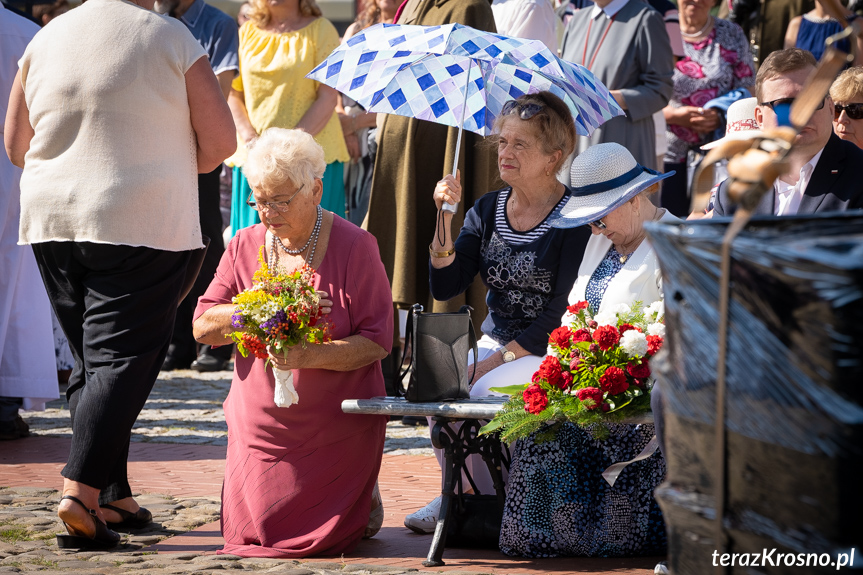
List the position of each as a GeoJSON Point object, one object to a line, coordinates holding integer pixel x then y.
{"type": "Point", "coordinates": [113, 159]}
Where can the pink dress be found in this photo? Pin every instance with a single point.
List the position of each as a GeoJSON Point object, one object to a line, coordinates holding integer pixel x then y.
{"type": "Point", "coordinates": [299, 480]}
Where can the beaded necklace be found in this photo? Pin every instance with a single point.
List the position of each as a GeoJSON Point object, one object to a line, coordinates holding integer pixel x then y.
{"type": "Point", "coordinates": [313, 241]}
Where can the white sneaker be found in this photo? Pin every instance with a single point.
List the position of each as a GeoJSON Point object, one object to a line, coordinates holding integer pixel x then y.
{"type": "Point", "coordinates": [661, 568]}
{"type": "Point", "coordinates": [424, 520]}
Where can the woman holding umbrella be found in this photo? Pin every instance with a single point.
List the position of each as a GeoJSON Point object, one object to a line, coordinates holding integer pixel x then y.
{"type": "Point", "coordinates": [527, 266]}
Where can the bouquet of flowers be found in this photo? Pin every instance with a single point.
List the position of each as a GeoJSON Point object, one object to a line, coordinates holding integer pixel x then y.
{"type": "Point", "coordinates": [596, 369]}
{"type": "Point", "coordinates": [279, 311]}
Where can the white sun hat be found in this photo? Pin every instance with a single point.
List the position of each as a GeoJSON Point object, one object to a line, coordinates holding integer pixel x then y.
{"type": "Point", "coordinates": [740, 123]}
{"type": "Point", "coordinates": [604, 177]}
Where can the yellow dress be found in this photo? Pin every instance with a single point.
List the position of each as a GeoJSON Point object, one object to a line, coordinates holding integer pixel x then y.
{"type": "Point", "coordinates": [272, 77]}
{"type": "Point", "coordinates": [277, 94]}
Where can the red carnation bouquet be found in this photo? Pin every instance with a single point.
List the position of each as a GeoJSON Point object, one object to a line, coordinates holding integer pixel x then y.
{"type": "Point", "coordinates": [597, 369]}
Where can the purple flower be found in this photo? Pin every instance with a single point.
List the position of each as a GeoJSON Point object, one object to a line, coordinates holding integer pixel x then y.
{"type": "Point", "coordinates": [237, 321]}
{"type": "Point", "coordinates": [272, 324]}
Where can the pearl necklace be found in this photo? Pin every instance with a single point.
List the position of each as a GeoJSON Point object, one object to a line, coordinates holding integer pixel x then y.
{"type": "Point", "coordinates": [308, 241]}
{"type": "Point", "coordinates": [700, 32]}
{"type": "Point", "coordinates": [313, 241]}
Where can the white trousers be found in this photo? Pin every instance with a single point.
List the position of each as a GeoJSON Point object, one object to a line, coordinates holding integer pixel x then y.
{"type": "Point", "coordinates": [515, 372]}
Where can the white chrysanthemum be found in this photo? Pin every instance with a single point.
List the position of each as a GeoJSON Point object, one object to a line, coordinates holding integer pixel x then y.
{"type": "Point", "coordinates": [552, 352]}
{"type": "Point", "coordinates": [656, 329]}
{"type": "Point", "coordinates": [656, 310]}
{"type": "Point", "coordinates": [606, 318]}
{"type": "Point", "coordinates": [567, 319]}
{"type": "Point", "coordinates": [266, 311]}
{"type": "Point", "coordinates": [622, 309]}
{"type": "Point", "coordinates": [634, 343]}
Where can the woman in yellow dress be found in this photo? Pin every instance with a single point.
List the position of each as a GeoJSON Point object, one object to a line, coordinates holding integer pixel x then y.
{"type": "Point", "coordinates": [282, 42]}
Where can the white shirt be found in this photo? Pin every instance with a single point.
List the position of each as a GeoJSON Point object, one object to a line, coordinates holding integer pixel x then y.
{"type": "Point", "coordinates": [528, 19]}
{"type": "Point", "coordinates": [613, 8]}
{"type": "Point", "coordinates": [788, 196]}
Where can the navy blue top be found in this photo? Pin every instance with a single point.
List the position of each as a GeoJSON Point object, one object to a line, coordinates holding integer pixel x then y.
{"type": "Point", "coordinates": [602, 276]}
{"type": "Point", "coordinates": [528, 284]}
{"type": "Point", "coordinates": [811, 36]}
{"type": "Point", "coordinates": [216, 32]}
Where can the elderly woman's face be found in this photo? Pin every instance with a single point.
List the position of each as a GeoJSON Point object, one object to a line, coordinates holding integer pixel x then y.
{"type": "Point", "coordinates": [520, 157]}
{"type": "Point", "coordinates": [622, 226]}
{"type": "Point", "coordinates": [844, 125]}
{"type": "Point", "coordinates": [286, 208]}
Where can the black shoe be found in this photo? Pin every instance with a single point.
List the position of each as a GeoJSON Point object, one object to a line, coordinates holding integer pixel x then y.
{"type": "Point", "coordinates": [141, 518]}
{"type": "Point", "coordinates": [103, 538]}
{"type": "Point", "coordinates": [209, 361]}
{"type": "Point", "coordinates": [176, 360]}
{"type": "Point", "coordinates": [15, 429]}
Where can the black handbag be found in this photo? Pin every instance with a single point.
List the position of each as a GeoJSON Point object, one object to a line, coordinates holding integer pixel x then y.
{"type": "Point", "coordinates": [439, 344]}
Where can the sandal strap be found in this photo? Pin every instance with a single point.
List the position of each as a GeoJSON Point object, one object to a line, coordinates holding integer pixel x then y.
{"type": "Point", "coordinates": [125, 515]}
{"type": "Point", "coordinates": [79, 502]}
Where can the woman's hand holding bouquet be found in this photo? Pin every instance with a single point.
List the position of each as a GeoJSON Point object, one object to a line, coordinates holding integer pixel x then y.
{"type": "Point", "coordinates": [278, 313]}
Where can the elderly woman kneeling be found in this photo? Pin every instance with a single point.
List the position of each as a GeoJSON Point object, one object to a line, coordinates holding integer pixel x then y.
{"type": "Point", "coordinates": [299, 481]}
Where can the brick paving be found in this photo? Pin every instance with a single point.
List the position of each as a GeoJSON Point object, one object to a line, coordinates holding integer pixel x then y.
{"type": "Point", "coordinates": [188, 472]}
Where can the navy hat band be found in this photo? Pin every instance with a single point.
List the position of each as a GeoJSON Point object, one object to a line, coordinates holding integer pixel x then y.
{"type": "Point", "coordinates": [613, 183]}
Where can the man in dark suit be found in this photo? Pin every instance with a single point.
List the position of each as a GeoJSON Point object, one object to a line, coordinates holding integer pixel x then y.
{"type": "Point", "coordinates": [824, 171]}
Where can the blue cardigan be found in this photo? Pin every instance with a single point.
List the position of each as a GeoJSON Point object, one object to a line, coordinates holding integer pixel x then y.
{"type": "Point", "coordinates": [528, 284]}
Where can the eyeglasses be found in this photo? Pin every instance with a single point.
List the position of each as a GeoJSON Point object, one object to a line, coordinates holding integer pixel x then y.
{"type": "Point", "coordinates": [599, 224]}
{"type": "Point", "coordinates": [854, 111]}
{"type": "Point", "coordinates": [783, 101]}
{"type": "Point", "coordinates": [277, 206]}
{"type": "Point", "coordinates": [525, 111]}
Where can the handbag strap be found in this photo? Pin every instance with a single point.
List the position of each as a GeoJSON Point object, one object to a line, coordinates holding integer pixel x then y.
{"type": "Point", "coordinates": [409, 330]}
{"type": "Point", "coordinates": [471, 335]}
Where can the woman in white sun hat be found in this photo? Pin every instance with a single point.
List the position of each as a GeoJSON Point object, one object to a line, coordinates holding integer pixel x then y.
{"type": "Point", "coordinates": [571, 510]}
{"type": "Point", "coordinates": [611, 194]}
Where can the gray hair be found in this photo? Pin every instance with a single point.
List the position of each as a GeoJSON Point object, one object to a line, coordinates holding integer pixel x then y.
{"type": "Point", "coordinates": [281, 155]}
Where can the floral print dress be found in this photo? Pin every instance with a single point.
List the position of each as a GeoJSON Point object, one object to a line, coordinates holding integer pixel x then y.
{"type": "Point", "coordinates": [712, 67]}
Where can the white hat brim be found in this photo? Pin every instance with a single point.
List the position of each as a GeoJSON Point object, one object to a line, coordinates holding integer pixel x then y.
{"type": "Point", "coordinates": [581, 210]}
{"type": "Point", "coordinates": [734, 136]}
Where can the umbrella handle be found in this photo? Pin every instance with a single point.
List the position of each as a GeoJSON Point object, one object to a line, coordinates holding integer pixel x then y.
{"type": "Point", "coordinates": [453, 208]}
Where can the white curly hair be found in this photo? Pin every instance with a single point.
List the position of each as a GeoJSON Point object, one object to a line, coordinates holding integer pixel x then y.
{"type": "Point", "coordinates": [279, 156]}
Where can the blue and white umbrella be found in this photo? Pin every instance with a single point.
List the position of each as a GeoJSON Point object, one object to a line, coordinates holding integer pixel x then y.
{"type": "Point", "coordinates": [458, 76]}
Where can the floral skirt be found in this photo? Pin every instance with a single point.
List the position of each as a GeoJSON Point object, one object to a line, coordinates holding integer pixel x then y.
{"type": "Point", "coordinates": [558, 503]}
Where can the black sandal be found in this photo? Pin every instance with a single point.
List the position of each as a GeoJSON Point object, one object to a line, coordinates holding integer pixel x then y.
{"type": "Point", "coordinates": [141, 518]}
{"type": "Point", "coordinates": [103, 538]}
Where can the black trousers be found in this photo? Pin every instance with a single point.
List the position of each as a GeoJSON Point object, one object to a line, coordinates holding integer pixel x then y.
{"type": "Point", "coordinates": [675, 191]}
{"type": "Point", "coordinates": [183, 342]}
{"type": "Point", "coordinates": [116, 305]}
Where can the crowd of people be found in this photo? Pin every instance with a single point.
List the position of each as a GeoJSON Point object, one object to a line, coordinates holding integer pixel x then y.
{"type": "Point", "coordinates": [117, 143]}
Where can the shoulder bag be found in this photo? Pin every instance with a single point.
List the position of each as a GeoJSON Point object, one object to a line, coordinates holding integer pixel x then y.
{"type": "Point", "coordinates": [439, 344]}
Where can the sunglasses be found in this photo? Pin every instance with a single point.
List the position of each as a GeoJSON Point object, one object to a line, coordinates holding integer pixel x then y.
{"type": "Point", "coordinates": [525, 111]}
{"type": "Point", "coordinates": [782, 101]}
{"type": "Point", "coordinates": [599, 224]}
{"type": "Point", "coordinates": [854, 111]}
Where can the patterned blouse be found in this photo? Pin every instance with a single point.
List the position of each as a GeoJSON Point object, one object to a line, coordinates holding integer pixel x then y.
{"type": "Point", "coordinates": [528, 274]}
{"type": "Point", "coordinates": [601, 277]}
{"type": "Point", "coordinates": [711, 68]}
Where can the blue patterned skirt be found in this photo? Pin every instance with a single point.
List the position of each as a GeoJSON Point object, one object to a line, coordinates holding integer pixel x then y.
{"type": "Point", "coordinates": [558, 504]}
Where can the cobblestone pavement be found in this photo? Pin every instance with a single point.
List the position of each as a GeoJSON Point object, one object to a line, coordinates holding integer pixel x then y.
{"type": "Point", "coordinates": [29, 523]}
{"type": "Point", "coordinates": [186, 407]}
